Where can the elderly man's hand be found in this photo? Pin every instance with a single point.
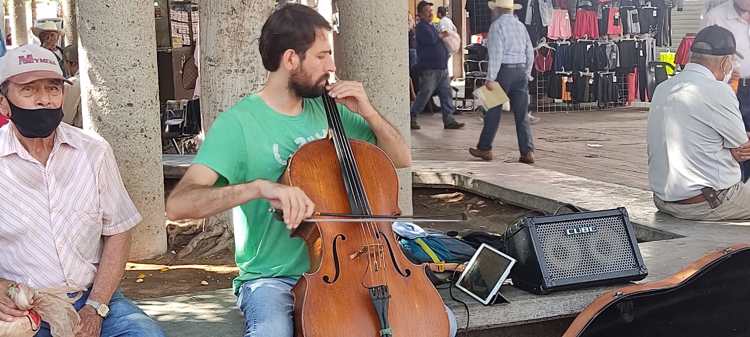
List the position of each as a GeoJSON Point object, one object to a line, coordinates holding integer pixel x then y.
{"type": "Point", "coordinates": [741, 153]}
{"type": "Point", "coordinates": [8, 310]}
{"type": "Point", "coordinates": [91, 323]}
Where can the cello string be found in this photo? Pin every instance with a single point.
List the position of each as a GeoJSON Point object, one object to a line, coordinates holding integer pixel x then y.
{"type": "Point", "coordinates": [358, 193]}
{"type": "Point", "coordinates": [361, 198]}
{"type": "Point", "coordinates": [344, 154]}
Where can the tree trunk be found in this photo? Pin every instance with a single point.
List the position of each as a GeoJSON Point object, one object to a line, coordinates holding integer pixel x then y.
{"type": "Point", "coordinates": [119, 97]}
{"type": "Point", "coordinates": [19, 25]}
{"type": "Point", "coordinates": [231, 68]}
{"type": "Point", "coordinates": [70, 21]}
{"type": "Point", "coordinates": [381, 64]}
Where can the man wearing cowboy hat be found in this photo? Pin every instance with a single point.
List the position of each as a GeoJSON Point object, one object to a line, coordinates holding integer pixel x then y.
{"type": "Point", "coordinates": [49, 36]}
{"type": "Point", "coordinates": [65, 216]}
{"type": "Point", "coordinates": [511, 56]}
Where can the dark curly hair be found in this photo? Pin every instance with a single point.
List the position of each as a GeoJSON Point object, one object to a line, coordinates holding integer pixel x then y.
{"type": "Point", "coordinates": [293, 26]}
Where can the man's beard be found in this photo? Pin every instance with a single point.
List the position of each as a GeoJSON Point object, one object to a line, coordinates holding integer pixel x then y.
{"type": "Point", "coordinates": [302, 87]}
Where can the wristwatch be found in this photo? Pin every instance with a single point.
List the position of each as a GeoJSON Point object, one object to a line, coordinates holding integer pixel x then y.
{"type": "Point", "coordinates": [101, 308]}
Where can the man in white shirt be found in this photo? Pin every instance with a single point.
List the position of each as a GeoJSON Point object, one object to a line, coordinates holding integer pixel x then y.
{"type": "Point", "coordinates": [446, 24]}
{"type": "Point", "coordinates": [65, 216]}
{"type": "Point", "coordinates": [734, 15]}
{"type": "Point", "coordinates": [696, 139]}
{"type": "Point", "coordinates": [452, 40]}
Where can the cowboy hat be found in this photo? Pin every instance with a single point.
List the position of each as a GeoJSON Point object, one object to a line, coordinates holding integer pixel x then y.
{"type": "Point", "coordinates": [504, 4]}
{"type": "Point", "coordinates": [45, 26]}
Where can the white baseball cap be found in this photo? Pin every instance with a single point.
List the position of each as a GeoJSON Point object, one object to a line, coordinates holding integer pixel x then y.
{"type": "Point", "coordinates": [504, 4]}
{"type": "Point", "coordinates": [29, 63]}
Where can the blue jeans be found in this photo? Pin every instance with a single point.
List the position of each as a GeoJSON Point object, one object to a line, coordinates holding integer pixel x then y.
{"type": "Point", "coordinates": [516, 85]}
{"type": "Point", "coordinates": [429, 81]}
{"type": "Point", "coordinates": [743, 95]}
{"type": "Point", "coordinates": [125, 319]}
{"type": "Point", "coordinates": [268, 307]}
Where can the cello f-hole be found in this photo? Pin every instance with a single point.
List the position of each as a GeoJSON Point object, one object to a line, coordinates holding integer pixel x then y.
{"type": "Point", "coordinates": [406, 272]}
{"type": "Point", "coordinates": [336, 264]}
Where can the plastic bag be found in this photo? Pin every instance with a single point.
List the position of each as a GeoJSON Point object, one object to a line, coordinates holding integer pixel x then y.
{"type": "Point", "coordinates": [51, 305]}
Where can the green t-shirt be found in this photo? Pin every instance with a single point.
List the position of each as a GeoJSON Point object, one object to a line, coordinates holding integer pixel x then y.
{"type": "Point", "coordinates": [252, 141]}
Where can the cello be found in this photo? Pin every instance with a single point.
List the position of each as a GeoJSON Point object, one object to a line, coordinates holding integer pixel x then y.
{"type": "Point", "coordinates": [360, 284]}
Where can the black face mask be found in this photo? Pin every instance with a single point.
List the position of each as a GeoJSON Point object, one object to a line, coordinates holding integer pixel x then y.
{"type": "Point", "coordinates": [36, 123]}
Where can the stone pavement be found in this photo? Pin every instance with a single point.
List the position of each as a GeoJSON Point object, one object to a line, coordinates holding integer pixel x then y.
{"type": "Point", "coordinates": [604, 145]}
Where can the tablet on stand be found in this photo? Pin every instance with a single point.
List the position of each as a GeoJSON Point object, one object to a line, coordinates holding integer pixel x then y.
{"type": "Point", "coordinates": [485, 274]}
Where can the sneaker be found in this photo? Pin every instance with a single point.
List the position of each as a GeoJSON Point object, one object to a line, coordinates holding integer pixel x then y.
{"type": "Point", "coordinates": [483, 154]}
{"type": "Point", "coordinates": [415, 125]}
{"type": "Point", "coordinates": [533, 119]}
{"type": "Point", "coordinates": [453, 125]}
{"type": "Point", "coordinates": [527, 158]}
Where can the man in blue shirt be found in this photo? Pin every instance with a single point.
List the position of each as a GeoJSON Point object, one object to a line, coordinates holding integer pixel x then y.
{"type": "Point", "coordinates": [432, 66]}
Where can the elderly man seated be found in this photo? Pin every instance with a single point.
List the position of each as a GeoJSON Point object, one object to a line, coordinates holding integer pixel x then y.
{"type": "Point", "coordinates": [64, 213]}
{"type": "Point", "coordinates": [696, 138]}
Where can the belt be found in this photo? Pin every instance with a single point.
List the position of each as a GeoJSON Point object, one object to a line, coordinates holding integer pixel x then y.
{"type": "Point", "coordinates": [689, 201]}
{"type": "Point", "coordinates": [513, 65]}
{"type": "Point", "coordinates": [713, 197]}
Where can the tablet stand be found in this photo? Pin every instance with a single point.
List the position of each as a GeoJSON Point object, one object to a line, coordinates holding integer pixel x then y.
{"type": "Point", "coordinates": [499, 298]}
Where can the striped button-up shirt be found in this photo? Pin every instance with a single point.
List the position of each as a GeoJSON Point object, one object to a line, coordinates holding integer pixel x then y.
{"type": "Point", "coordinates": [508, 42]}
{"type": "Point", "coordinates": [53, 217]}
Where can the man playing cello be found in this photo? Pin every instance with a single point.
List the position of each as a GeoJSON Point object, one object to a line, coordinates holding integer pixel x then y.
{"type": "Point", "coordinates": [247, 150]}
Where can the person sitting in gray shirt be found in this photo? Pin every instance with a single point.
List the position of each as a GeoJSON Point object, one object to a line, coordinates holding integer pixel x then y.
{"type": "Point", "coordinates": [696, 138]}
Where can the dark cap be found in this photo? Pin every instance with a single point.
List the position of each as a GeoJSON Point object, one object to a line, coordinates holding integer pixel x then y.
{"type": "Point", "coordinates": [422, 4]}
{"type": "Point", "coordinates": [715, 40]}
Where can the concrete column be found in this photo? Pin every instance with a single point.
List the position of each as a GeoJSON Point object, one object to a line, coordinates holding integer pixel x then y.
{"type": "Point", "coordinates": [19, 23]}
{"type": "Point", "coordinates": [120, 101]}
{"type": "Point", "coordinates": [380, 63]}
{"type": "Point", "coordinates": [231, 66]}
{"type": "Point", "coordinates": [70, 21]}
{"type": "Point", "coordinates": [32, 8]}
{"type": "Point", "coordinates": [458, 15]}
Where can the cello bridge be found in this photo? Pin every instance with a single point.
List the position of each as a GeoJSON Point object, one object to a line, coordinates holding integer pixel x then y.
{"type": "Point", "coordinates": [375, 249]}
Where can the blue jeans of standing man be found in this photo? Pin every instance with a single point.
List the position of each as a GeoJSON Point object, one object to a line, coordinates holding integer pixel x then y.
{"type": "Point", "coordinates": [125, 319]}
{"type": "Point", "coordinates": [429, 81]}
{"type": "Point", "coordinates": [743, 95]}
{"type": "Point", "coordinates": [268, 307]}
{"type": "Point", "coordinates": [513, 79]}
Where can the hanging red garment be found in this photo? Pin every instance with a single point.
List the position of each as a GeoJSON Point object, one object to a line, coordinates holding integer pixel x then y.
{"type": "Point", "coordinates": [632, 86]}
{"type": "Point", "coordinates": [586, 24]}
{"type": "Point", "coordinates": [683, 51]}
{"type": "Point", "coordinates": [543, 58]}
